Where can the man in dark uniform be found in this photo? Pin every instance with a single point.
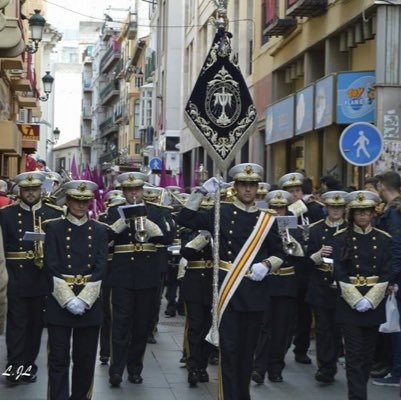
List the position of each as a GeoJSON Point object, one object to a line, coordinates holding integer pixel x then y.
{"type": "Point", "coordinates": [75, 263]}
{"type": "Point", "coordinates": [307, 211]}
{"type": "Point", "coordinates": [322, 292]}
{"type": "Point", "coordinates": [135, 277]}
{"type": "Point", "coordinates": [112, 198]}
{"type": "Point", "coordinates": [27, 284]}
{"type": "Point", "coordinates": [196, 292]}
{"type": "Point", "coordinates": [241, 321]}
{"type": "Point", "coordinates": [276, 329]}
{"type": "Point", "coordinates": [362, 269]}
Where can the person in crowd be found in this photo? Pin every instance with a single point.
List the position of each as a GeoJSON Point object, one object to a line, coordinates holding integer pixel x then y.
{"type": "Point", "coordinates": [75, 264]}
{"type": "Point", "coordinates": [4, 198]}
{"type": "Point", "coordinates": [3, 286]}
{"type": "Point", "coordinates": [27, 286]}
{"type": "Point", "coordinates": [362, 269]}
{"type": "Point", "coordinates": [135, 276]}
{"type": "Point", "coordinates": [330, 183]}
{"type": "Point", "coordinates": [322, 292]}
{"type": "Point", "coordinates": [277, 323]}
{"type": "Point", "coordinates": [240, 223]}
{"type": "Point", "coordinates": [389, 188]}
{"type": "Point", "coordinates": [308, 211]}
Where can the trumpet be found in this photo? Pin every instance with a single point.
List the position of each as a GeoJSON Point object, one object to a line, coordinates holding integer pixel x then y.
{"type": "Point", "coordinates": [288, 245]}
{"type": "Point", "coordinates": [141, 235]}
{"type": "Point", "coordinates": [38, 253]}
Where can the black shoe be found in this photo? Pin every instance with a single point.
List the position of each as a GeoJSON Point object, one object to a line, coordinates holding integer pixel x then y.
{"type": "Point", "coordinates": [380, 372]}
{"type": "Point", "coordinates": [303, 358]}
{"type": "Point", "coordinates": [181, 311]}
{"type": "Point", "coordinates": [136, 379]}
{"type": "Point", "coordinates": [13, 378]}
{"type": "Point", "coordinates": [203, 376]}
{"type": "Point", "coordinates": [115, 380]}
{"type": "Point", "coordinates": [29, 378]}
{"type": "Point", "coordinates": [276, 378]}
{"type": "Point", "coordinates": [170, 311]}
{"type": "Point", "coordinates": [193, 377]}
{"type": "Point", "coordinates": [183, 359]}
{"type": "Point", "coordinates": [324, 378]}
{"type": "Point", "coordinates": [257, 377]}
{"type": "Point", "coordinates": [213, 360]}
{"type": "Point", "coordinates": [151, 339]}
{"type": "Point", "coordinates": [104, 360]}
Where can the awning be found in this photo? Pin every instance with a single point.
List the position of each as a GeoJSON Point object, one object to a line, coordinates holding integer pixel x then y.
{"type": "Point", "coordinates": [10, 138]}
{"type": "Point", "coordinates": [21, 85]}
{"type": "Point", "coordinates": [25, 101]}
{"type": "Point", "coordinates": [15, 63]}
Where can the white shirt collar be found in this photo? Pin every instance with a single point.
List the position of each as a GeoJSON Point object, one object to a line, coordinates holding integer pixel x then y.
{"type": "Point", "coordinates": [240, 205]}
{"type": "Point", "coordinates": [28, 208]}
{"type": "Point", "coordinates": [359, 230]}
{"type": "Point", "coordinates": [74, 220]}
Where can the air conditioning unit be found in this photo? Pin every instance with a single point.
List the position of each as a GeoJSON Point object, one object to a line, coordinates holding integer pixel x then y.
{"type": "Point", "coordinates": [23, 116]}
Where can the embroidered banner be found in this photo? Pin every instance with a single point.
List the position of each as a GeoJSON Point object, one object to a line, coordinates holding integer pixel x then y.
{"type": "Point", "coordinates": [220, 111]}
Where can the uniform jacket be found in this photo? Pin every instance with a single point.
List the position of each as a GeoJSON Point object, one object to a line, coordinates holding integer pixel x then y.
{"type": "Point", "coordinates": [236, 225]}
{"type": "Point", "coordinates": [367, 254]}
{"type": "Point", "coordinates": [73, 250]}
{"type": "Point", "coordinates": [139, 270]}
{"type": "Point", "coordinates": [320, 289]}
{"type": "Point", "coordinates": [25, 278]}
{"type": "Point", "coordinates": [197, 283]}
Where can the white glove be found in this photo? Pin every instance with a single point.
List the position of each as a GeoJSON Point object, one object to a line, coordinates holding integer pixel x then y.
{"type": "Point", "coordinates": [211, 185]}
{"type": "Point", "coordinates": [259, 272]}
{"type": "Point", "coordinates": [363, 305]}
{"type": "Point", "coordinates": [76, 306]}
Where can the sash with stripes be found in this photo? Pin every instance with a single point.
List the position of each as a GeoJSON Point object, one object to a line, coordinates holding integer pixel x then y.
{"type": "Point", "coordinates": [243, 261]}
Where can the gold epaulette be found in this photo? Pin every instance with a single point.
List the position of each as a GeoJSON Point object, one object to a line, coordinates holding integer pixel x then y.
{"type": "Point", "coordinates": [270, 211]}
{"type": "Point", "coordinates": [102, 223]}
{"type": "Point", "coordinates": [315, 223]}
{"type": "Point", "coordinates": [226, 202]}
{"type": "Point", "coordinates": [59, 208]}
{"type": "Point", "coordinates": [383, 232]}
{"type": "Point", "coordinates": [56, 218]}
{"type": "Point", "coordinates": [11, 204]}
{"type": "Point", "coordinates": [340, 231]}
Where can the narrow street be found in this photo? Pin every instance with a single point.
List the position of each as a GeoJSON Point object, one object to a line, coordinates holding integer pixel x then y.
{"type": "Point", "coordinates": [165, 378]}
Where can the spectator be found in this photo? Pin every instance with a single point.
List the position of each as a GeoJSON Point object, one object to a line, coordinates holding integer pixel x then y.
{"type": "Point", "coordinates": [4, 199]}
{"type": "Point", "coordinates": [329, 183]}
{"type": "Point", "coordinates": [41, 165]}
{"type": "Point", "coordinates": [371, 184]}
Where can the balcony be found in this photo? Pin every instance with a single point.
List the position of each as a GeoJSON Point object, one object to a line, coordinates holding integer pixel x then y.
{"type": "Point", "coordinates": [109, 92]}
{"type": "Point", "coordinates": [87, 83]}
{"type": "Point", "coordinates": [305, 8]}
{"type": "Point", "coordinates": [131, 29]}
{"type": "Point", "coordinates": [107, 127]}
{"type": "Point", "coordinates": [280, 26]}
{"type": "Point", "coordinates": [108, 156]}
{"type": "Point", "coordinates": [87, 113]}
{"type": "Point", "coordinates": [111, 57]}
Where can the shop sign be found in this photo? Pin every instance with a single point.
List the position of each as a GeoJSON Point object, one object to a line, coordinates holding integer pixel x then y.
{"type": "Point", "coordinates": [280, 120]}
{"type": "Point", "coordinates": [324, 105]}
{"type": "Point", "coordinates": [304, 110]}
{"type": "Point", "coordinates": [356, 97]}
{"type": "Point", "coordinates": [30, 132]}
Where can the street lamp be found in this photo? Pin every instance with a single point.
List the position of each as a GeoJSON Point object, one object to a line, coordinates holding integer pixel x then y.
{"type": "Point", "coordinates": [56, 136]}
{"type": "Point", "coordinates": [36, 26]}
{"type": "Point", "coordinates": [47, 86]}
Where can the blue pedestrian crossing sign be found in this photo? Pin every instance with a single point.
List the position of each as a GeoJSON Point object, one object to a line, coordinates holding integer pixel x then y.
{"type": "Point", "coordinates": [361, 144]}
{"type": "Point", "coordinates": [155, 163]}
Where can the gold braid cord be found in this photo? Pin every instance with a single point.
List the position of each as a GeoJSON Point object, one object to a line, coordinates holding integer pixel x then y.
{"type": "Point", "coordinates": [91, 292]}
{"type": "Point", "coordinates": [62, 292]}
{"type": "Point", "coordinates": [350, 293]}
{"type": "Point", "coordinates": [376, 294]}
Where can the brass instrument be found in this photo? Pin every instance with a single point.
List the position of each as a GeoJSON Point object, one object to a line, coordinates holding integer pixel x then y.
{"type": "Point", "coordinates": [288, 245]}
{"type": "Point", "coordinates": [38, 244]}
{"type": "Point", "coordinates": [141, 235]}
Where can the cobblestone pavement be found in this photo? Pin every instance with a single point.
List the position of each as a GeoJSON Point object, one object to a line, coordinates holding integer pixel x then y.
{"type": "Point", "coordinates": [165, 378]}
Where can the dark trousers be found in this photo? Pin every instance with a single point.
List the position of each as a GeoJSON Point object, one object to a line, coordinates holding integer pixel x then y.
{"type": "Point", "coordinates": [303, 324]}
{"type": "Point", "coordinates": [129, 332]}
{"type": "Point", "coordinates": [154, 317]}
{"type": "Point", "coordinates": [326, 340]}
{"type": "Point", "coordinates": [274, 335]}
{"type": "Point", "coordinates": [239, 333]}
{"type": "Point", "coordinates": [24, 331]}
{"type": "Point", "coordinates": [383, 353]}
{"type": "Point", "coordinates": [84, 348]}
{"type": "Point", "coordinates": [359, 345]}
{"type": "Point", "coordinates": [106, 325]}
{"type": "Point", "coordinates": [199, 320]}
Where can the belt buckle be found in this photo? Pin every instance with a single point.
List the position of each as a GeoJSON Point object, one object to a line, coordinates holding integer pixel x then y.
{"type": "Point", "coordinates": [208, 264]}
{"type": "Point", "coordinates": [79, 280]}
{"type": "Point", "coordinates": [30, 254]}
{"type": "Point", "coordinates": [138, 247]}
{"type": "Point", "coordinates": [362, 280]}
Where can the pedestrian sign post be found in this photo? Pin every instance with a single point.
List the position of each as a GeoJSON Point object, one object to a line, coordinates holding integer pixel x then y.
{"type": "Point", "coordinates": [361, 144]}
{"type": "Point", "coordinates": [155, 163]}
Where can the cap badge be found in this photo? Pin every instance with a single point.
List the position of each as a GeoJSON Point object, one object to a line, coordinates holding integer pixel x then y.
{"type": "Point", "coordinates": [360, 197]}
{"type": "Point", "coordinates": [248, 170]}
{"type": "Point", "coordinates": [82, 187]}
{"type": "Point", "coordinates": [30, 178]}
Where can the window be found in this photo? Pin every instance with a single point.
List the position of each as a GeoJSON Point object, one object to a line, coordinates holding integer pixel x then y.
{"type": "Point", "coordinates": [146, 109]}
{"type": "Point", "coordinates": [137, 106]}
{"type": "Point", "coordinates": [171, 142]}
